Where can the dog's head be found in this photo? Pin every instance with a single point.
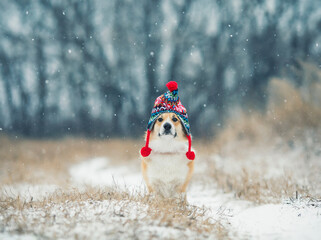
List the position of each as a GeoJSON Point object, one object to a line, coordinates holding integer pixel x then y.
{"type": "Point", "coordinates": [168, 126]}
{"type": "Point", "coordinates": [167, 132]}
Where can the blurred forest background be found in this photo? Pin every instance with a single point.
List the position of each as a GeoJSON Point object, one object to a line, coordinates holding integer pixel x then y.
{"type": "Point", "coordinates": [94, 68]}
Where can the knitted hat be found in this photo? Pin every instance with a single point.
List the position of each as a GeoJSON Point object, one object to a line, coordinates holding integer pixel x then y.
{"type": "Point", "coordinates": [169, 102]}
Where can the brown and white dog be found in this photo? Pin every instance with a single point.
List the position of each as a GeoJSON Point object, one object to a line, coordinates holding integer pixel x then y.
{"type": "Point", "coordinates": [167, 171]}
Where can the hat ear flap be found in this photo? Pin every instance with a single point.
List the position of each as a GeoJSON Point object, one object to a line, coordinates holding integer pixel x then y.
{"type": "Point", "coordinates": [184, 129]}
{"type": "Point", "coordinates": [183, 125]}
{"type": "Point", "coordinates": [151, 127]}
{"type": "Point", "coordinates": [146, 150]}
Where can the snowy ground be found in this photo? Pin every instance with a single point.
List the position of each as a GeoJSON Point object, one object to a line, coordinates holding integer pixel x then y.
{"type": "Point", "coordinates": [291, 220]}
{"type": "Point", "coordinates": [112, 219]}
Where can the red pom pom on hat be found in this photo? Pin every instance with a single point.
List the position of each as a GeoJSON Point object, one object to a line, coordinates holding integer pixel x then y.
{"type": "Point", "coordinates": [190, 155]}
{"type": "Point", "coordinates": [145, 151]}
{"type": "Point", "coordinates": [172, 86]}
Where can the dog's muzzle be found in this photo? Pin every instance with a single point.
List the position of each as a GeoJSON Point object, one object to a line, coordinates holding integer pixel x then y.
{"type": "Point", "coordinates": [167, 129]}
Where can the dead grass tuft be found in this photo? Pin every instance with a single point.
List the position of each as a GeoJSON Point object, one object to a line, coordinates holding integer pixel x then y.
{"type": "Point", "coordinates": [289, 115]}
{"type": "Point", "coordinates": [149, 210]}
{"type": "Point", "coordinates": [253, 186]}
{"type": "Point", "coordinates": [35, 161]}
{"type": "Point", "coordinates": [47, 161]}
{"type": "Point", "coordinates": [285, 138]}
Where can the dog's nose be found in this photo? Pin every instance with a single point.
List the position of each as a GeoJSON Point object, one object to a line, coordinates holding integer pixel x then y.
{"type": "Point", "coordinates": [167, 126]}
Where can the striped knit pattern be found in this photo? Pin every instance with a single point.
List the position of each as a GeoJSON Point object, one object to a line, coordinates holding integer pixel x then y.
{"type": "Point", "coordinates": [169, 102]}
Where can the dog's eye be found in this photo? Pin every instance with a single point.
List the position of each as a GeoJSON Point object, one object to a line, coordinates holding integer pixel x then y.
{"type": "Point", "coordinates": [160, 119]}
{"type": "Point", "coordinates": [175, 119]}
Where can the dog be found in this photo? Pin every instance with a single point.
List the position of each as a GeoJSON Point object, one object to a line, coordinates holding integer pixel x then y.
{"type": "Point", "coordinates": [166, 166]}
{"type": "Point", "coordinates": [167, 171]}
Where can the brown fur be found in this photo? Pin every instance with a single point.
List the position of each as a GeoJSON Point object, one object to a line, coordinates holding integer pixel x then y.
{"type": "Point", "coordinates": [181, 136]}
{"type": "Point", "coordinates": [144, 171]}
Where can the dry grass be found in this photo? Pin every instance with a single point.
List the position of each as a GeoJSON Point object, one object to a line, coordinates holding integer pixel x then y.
{"type": "Point", "coordinates": [289, 115]}
{"type": "Point", "coordinates": [288, 132]}
{"type": "Point", "coordinates": [148, 210]}
{"type": "Point", "coordinates": [47, 161]}
{"type": "Point", "coordinates": [253, 186]}
{"type": "Point", "coordinates": [291, 112]}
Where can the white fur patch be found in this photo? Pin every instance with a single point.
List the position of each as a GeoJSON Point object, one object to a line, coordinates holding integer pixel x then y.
{"type": "Point", "coordinates": [168, 168]}
{"type": "Point", "coordinates": [167, 143]}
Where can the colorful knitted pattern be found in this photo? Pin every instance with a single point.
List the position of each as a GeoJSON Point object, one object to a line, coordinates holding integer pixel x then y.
{"type": "Point", "coordinates": [169, 102]}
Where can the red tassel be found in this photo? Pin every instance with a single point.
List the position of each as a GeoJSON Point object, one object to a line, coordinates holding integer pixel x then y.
{"type": "Point", "coordinates": [190, 154]}
{"type": "Point", "coordinates": [145, 151]}
{"type": "Point", "coordinates": [172, 86]}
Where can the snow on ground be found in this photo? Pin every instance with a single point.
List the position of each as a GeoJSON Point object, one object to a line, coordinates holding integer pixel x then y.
{"type": "Point", "coordinates": [97, 172]}
{"type": "Point", "coordinates": [278, 221]}
{"type": "Point", "coordinates": [92, 220]}
{"type": "Point", "coordinates": [297, 219]}
{"type": "Point", "coordinates": [29, 192]}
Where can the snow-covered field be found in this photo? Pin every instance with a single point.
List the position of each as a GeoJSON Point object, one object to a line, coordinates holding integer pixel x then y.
{"type": "Point", "coordinates": [212, 213]}
{"type": "Point", "coordinates": [259, 178]}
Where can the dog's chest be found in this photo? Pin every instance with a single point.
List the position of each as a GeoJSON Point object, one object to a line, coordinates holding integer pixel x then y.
{"type": "Point", "coordinates": [168, 168]}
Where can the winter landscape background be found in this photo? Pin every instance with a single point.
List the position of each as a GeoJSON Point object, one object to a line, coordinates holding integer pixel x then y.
{"type": "Point", "coordinates": [78, 80]}
{"type": "Point", "coordinates": [81, 67]}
